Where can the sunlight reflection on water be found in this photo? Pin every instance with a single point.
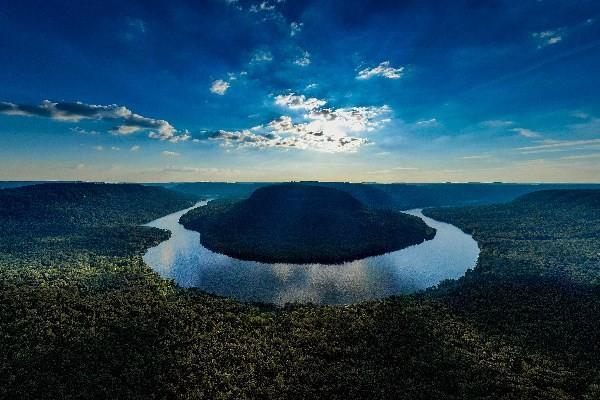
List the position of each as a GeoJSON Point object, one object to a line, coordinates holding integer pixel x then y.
{"type": "Point", "coordinates": [185, 260]}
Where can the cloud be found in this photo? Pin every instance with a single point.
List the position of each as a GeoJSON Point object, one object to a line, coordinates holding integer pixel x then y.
{"type": "Point", "coordinates": [219, 87]}
{"type": "Point", "coordinates": [98, 148]}
{"type": "Point", "coordinates": [588, 126]}
{"type": "Point", "coordinates": [548, 38]}
{"type": "Point", "coordinates": [427, 122]}
{"type": "Point", "coordinates": [82, 131]}
{"type": "Point", "coordinates": [311, 86]}
{"type": "Point", "coordinates": [559, 145]}
{"type": "Point", "coordinates": [295, 28]}
{"type": "Point", "coordinates": [135, 148]}
{"type": "Point", "coordinates": [261, 56]}
{"type": "Point", "coordinates": [321, 129]}
{"type": "Point", "coordinates": [135, 29]}
{"type": "Point", "coordinates": [265, 6]}
{"type": "Point", "coordinates": [350, 119]}
{"type": "Point", "coordinates": [383, 70]}
{"type": "Point", "coordinates": [496, 123]}
{"type": "Point", "coordinates": [129, 122]}
{"type": "Point", "coordinates": [169, 153]}
{"type": "Point", "coordinates": [297, 102]}
{"type": "Point", "coordinates": [528, 133]}
{"type": "Point", "coordinates": [304, 60]}
{"type": "Point", "coordinates": [582, 156]}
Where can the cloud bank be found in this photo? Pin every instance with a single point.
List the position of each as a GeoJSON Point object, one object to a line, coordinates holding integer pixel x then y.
{"type": "Point", "coordinates": [128, 121]}
{"type": "Point", "coordinates": [322, 129]}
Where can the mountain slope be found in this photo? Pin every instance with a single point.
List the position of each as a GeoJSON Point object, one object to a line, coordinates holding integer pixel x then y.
{"type": "Point", "coordinates": [299, 223]}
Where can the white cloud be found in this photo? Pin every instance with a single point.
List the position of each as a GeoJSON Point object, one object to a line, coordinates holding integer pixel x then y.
{"type": "Point", "coordinates": [261, 56]}
{"type": "Point", "coordinates": [265, 6]}
{"type": "Point", "coordinates": [295, 28]}
{"type": "Point", "coordinates": [427, 122]}
{"type": "Point", "coordinates": [548, 38]}
{"type": "Point", "coordinates": [99, 148]}
{"type": "Point", "coordinates": [135, 148]}
{"type": "Point", "coordinates": [327, 130]}
{"type": "Point", "coordinates": [582, 156]}
{"type": "Point", "coordinates": [128, 121]}
{"type": "Point", "coordinates": [82, 131]}
{"type": "Point", "coordinates": [353, 119]}
{"type": "Point", "coordinates": [311, 86]}
{"type": "Point", "coordinates": [580, 115]}
{"type": "Point", "coordinates": [298, 102]}
{"type": "Point", "coordinates": [219, 87]}
{"type": "Point", "coordinates": [496, 123]}
{"type": "Point", "coordinates": [558, 145]}
{"type": "Point", "coordinates": [170, 154]}
{"type": "Point", "coordinates": [304, 60]}
{"type": "Point", "coordinates": [528, 133]}
{"type": "Point", "coordinates": [383, 70]}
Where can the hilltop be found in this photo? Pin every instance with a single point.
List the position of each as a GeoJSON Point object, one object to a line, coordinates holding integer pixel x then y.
{"type": "Point", "coordinates": [303, 224]}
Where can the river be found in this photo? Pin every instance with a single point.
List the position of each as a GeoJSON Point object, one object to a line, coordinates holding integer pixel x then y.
{"type": "Point", "coordinates": [182, 258]}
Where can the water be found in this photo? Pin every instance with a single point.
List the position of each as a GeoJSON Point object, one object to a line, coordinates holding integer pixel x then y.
{"type": "Point", "coordinates": [185, 260]}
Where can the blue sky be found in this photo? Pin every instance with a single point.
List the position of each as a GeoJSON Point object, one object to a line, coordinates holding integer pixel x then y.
{"type": "Point", "coordinates": [387, 91]}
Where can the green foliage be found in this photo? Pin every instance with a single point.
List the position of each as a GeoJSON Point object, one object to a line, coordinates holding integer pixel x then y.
{"type": "Point", "coordinates": [303, 224]}
{"type": "Point", "coordinates": [536, 283]}
{"type": "Point", "coordinates": [93, 321]}
{"type": "Point", "coordinates": [553, 233]}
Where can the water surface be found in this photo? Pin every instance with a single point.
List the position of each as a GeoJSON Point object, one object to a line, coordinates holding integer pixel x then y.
{"type": "Point", "coordinates": [190, 264]}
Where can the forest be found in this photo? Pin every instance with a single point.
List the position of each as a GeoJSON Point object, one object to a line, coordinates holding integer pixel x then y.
{"type": "Point", "coordinates": [83, 317]}
{"type": "Point", "coordinates": [303, 224]}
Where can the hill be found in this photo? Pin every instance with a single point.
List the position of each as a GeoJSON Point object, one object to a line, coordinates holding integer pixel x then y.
{"type": "Point", "coordinates": [75, 215]}
{"type": "Point", "coordinates": [300, 223]}
{"type": "Point", "coordinates": [550, 233]}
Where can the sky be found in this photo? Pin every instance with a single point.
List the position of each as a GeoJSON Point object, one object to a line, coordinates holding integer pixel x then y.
{"type": "Point", "coordinates": [279, 90]}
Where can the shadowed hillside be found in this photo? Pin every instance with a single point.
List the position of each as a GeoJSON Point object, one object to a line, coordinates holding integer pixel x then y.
{"type": "Point", "coordinates": [76, 214]}
{"type": "Point", "coordinates": [303, 224]}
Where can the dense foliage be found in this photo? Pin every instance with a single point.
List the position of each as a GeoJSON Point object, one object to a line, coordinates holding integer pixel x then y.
{"type": "Point", "coordinates": [554, 233]}
{"type": "Point", "coordinates": [537, 281]}
{"type": "Point", "coordinates": [98, 323]}
{"type": "Point", "coordinates": [303, 224]}
{"type": "Point", "coordinates": [52, 218]}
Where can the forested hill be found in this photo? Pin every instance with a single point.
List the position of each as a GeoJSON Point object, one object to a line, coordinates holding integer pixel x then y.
{"type": "Point", "coordinates": [300, 223]}
{"type": "Point", "coordinates": [62, 218]}
{"type": "Point", "coordinates": [550, 233]}
{"type": "Point", "coordinates": [563, 198]}
{"type": "Point", "coordinates": [88, 204]}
